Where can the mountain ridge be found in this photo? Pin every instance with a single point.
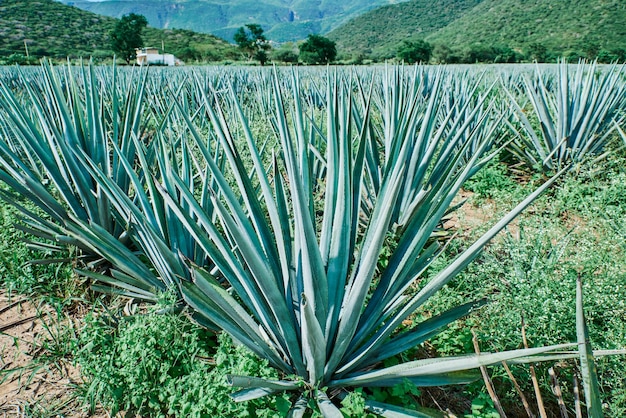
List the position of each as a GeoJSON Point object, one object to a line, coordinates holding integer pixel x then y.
{"type": "Point", "coordinates": [555, 28]}
{"type": "Point", "coordinates": [289, 20]}
{"type": "Point", "coordinates": [377, 32]}
{"type": "Point", "coordinates": [460, 31]}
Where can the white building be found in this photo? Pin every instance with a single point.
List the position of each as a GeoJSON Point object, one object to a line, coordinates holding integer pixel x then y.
{"type": "Point", "coordinates": [151, 56]}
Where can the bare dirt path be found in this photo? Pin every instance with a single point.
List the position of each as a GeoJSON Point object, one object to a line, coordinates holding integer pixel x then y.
{"type": "Point", "coordinates": [30, 384]}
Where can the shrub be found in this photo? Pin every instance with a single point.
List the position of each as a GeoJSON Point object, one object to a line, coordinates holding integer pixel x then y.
{"type": "Point", "coordinates": [317, 50]}
{"type": "Point", "coordinates": [412, 52]}
{"type": "Point", "coordinates": [160, 365]}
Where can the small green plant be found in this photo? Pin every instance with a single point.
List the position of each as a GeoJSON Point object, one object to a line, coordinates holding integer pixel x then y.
{"type": "Point", "coordinates": [56, 284]}
{"type": "Point", "coordinates": [353, 405]}
{"type": "Point", "coordinates": [454, 340]}
{"type": "Point", "coordinates": [482, 407]}
{"type": "Point", "coordinates": [490, 181]}
{"type": "Point", "coordinates": [162, 365]}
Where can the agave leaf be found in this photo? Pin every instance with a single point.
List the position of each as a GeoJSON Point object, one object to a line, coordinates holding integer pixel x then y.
{"type": "Point", "coordinates": [359, 284]}
{"type": "Point", "coordinates": [278, 318]}
{"type": "Point", "coordinates": [564, 355]}
{"type": "Point", "coordinates": [443, 379]}
{"type": "Point", "coordinates": [336, 236]}
{"type": "Point", "coordinates": [101, 242]}
{"type": "Point", "coordinates": [123, 282]}
{"type": "Point", "coordinates": [438, 281]}
{"type": "Point", "coordinates": [257, 382]}
{"type": "Point", "coordinates": [219, 308]}
{"type": "Point", "coordinates": [299, 407]}
{"type": "Point", "coordinates": [587, 362]}
{"type": "Point", "coordinates": [248, 194]}
{"type": "Point", "coordinates": [433, 367]}
{"type": "Point", "coordinates": [282, 213]}
{"type": "Point", "coordinates": [34, 224]}
{"type": "Point", "coordinates": [279, 228]}
{"type": "Point", "coordinates": [313, 342]}
{"type": "Point", "coordinates": [422, 216]}
{"type": "Point", "coordinates": [392, 411]}
{"type": "Point", "coordinates": [117, 291]}
{"type": "Point", "coordinates": [327, 408]}
{"type": "Point", "coordinates": [422, 332]}
{"type": "Point", "coordinates": [312, 274]}
{"type": "Point", "coordinates": [168, 265]}
{"type": "Point", "coordinates": [250, 394]}
{"type": "Point", "coordinates": [32, 189]}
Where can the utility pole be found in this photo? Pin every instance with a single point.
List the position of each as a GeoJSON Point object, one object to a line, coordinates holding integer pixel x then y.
{"type": "Point", "coordinates": [26, 48]}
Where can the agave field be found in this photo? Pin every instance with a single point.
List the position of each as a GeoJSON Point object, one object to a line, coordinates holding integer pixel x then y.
{"type": "Point", "coordinates": [383, 241]}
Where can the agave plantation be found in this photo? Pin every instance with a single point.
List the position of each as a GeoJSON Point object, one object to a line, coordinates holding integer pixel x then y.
{"type": "Point", "coordinates": [301, 211]}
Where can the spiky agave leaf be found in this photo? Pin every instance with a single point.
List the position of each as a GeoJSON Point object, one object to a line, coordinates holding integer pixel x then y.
{"type": "Point", "coordinates": [319, 308]}
{"type": "Point", "coordinates": [576, 115]}
{"type": "Point", "coordinates": [77, 147]}
{"type": "Point", "coordinates": [64, 112]}
{"type": "Point", "coordinates": [587, 362]}
{"type": "Point", "coordinates": [301, 288]}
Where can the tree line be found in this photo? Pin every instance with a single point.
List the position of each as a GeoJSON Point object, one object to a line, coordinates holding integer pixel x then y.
{"type": "Point", "coordinates": [421, 51]}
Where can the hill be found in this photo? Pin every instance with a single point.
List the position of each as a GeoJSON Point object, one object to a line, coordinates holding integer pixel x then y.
{"type": "Point", "coordinates": [561, 26]}
{"type": "Point", "coordinates": [282, 20]}
{"type": "Point", "coordinates": [51, 29]}
{"type": "Point", "coordinates": [465, 29]}
{"type": "Point", "coordinates": [378, 32]}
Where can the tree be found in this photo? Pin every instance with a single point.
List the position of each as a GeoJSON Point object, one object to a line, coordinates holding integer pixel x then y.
{"type": "Point", "coordinates": [286, 53]}
{"type": "Point", "coordinates": [415, 51]}
{"type": "Point", "coordinates": [252, 42]}
{"type": "Point", "coordinates": [188, 53]}
{"type": "Point", "coordinates": [479, 53]}
{"type": "Point", "coordinates": [591, 49]}
{"type": "Point", "coordinates": [442, 54]}
{"type": "Point", "coordinates": [126, 36]}
{"type": "Point", "coordinates": [317, 50]}
{"type": "Point", "coordinates": [506, 55]}
{"type": "Point", "coordinates": [537, 52]}
{"type": "Point", "coordinates": [619, 54]}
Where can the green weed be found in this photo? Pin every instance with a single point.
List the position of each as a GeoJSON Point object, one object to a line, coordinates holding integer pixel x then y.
{"type": "Point", "coordinates": [21, 273]}
{"type": "Point", "coordinates": [162, 365]}
{"type": "Point", "coordinates": [491, 181]}
{"type": "Point", "coordinates": [530, 274]}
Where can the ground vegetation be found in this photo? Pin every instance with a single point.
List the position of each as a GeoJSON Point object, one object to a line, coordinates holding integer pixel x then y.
{"type": "Point", "coordinates": [157, 228]}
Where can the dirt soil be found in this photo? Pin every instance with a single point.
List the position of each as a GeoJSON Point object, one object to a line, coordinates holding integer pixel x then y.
{"type": "Point", "coordinates": [471, 217]}
{"type": "Point", "coordinates": [30, 385]}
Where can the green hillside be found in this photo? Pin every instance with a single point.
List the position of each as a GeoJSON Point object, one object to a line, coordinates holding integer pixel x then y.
{"type": "Point", "coordinates": [282, 20]}
{"type": "Point", "coordinates": [468, 31]}
{"type": "Point", "coordinates": [561, 26]}
{"type": "Point", "coordinates": [48, 28]}
{"type": "Point", "coordinates": [378, 33]}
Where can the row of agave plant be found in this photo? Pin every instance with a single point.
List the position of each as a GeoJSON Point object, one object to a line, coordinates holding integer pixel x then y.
{"type": "Point", "coordinates": [264, 199]}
